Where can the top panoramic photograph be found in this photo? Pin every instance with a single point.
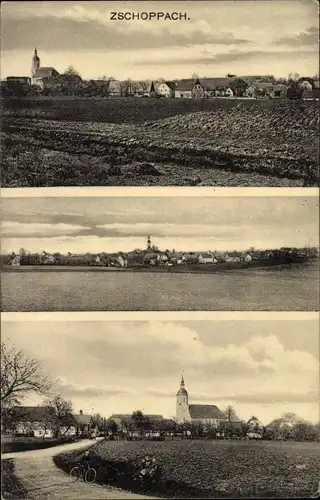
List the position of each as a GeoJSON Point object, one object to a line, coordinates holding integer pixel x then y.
{"type": "Point", "coordinates": [206, 93]}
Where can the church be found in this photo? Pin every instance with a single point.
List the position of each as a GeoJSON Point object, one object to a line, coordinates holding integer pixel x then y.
{"type": "Point", "coordinates": [205, 414]}
{"type": "Point", "coordinates": [41, 75]}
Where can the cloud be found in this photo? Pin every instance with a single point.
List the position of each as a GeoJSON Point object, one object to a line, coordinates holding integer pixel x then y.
{"type": "Point", "coordinates": [89, 391]}
{"type": "Point", "coordinates": [233, 56]}
{"type": "Point", "coordinates": [310, 37]}
{"type": "Point", "coordinates": [94, 30]}
{"type": "Point", "coordinates": [37, 229]}
{"type": "Point", "coordinates": [118, 366]}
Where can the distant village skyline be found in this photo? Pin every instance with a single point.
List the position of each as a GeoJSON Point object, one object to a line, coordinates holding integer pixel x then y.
{"type": "Point", "coordinates": [242, 38]}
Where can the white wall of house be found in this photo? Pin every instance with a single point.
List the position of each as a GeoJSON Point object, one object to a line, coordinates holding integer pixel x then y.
{"type": "Point", "coordinates": [164, 90]}
{"type": "Point", "coordinates": [305, 85]}
{"type": "Point", "coordinates": [184, 94]}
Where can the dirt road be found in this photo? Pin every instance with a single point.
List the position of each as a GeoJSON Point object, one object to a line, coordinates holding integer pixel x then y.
{"type": "Point", "coordinates": [43, 480]}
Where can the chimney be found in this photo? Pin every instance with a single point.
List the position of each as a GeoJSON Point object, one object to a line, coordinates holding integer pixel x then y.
{"type": "Point", "coordinates": [81, 412]}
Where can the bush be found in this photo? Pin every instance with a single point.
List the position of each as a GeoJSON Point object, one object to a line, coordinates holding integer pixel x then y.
{"type": "Point", "coordinates": [28, 444]}
{"type": "Point", "coordinates": [10, 484]}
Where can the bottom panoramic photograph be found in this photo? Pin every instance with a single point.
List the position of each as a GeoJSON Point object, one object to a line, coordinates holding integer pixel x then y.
{"type": "Point", "coordinates": [209, 408]}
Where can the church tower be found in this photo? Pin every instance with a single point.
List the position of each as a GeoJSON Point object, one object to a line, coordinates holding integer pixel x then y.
{"type": "Point", "coordinates": [35, 63]}
{"type": "Point", "coordinates": [149, 243]}
{"type": "Point", "coordinates": [182, 406]}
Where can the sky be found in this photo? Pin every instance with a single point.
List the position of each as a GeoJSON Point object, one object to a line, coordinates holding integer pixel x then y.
{"type": "Point", "coordinates": [261, 367]}
{"type": "Point", "coordinates": [219, 37]}
{"type": "Point", "coordinates": [112, 224]}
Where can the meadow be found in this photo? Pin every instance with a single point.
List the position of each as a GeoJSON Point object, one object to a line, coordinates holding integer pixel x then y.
{"type": "Point", "coordinates": [127, 141]}
{"type": "Point", "coordinates": [293, 288]}
{"type": "Point", "coordinates": [210, 469]}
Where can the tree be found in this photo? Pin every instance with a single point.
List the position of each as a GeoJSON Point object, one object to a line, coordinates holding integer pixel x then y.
{"type": "Point", "coordinates": [71, 71]}
{"type": "Point", "coordinates": [304, 431]}
{"type": "Point", "coordinates": [20, 375]}
{"type": "Point", "coordinates": [140, 421]}
{"type": "Point", "coordinates": [111, 426]}
{"type": "Point", "coordinates": [97, 421]}
{"type": "Point", "coordinates": [62, 409]}
{"type": "Point", "coordinates": [238, 86]}
{"type": "Point", "coordinates": [231, 414]}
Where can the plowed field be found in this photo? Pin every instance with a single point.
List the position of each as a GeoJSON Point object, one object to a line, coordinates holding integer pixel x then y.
{"type": "Point", "coordinates": [234, 143]}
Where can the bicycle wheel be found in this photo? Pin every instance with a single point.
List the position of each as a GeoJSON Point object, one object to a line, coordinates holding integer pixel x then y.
{"type": "Point", "coordinates": [75, 473]}
{"type": "Point", "coordinates": [90, 475]}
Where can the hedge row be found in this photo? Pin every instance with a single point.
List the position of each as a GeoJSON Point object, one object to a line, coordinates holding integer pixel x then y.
{"type": "Point", "coordinates": [27, 445]}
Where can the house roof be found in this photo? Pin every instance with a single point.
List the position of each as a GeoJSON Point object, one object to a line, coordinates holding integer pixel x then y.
{"type": "Point", "coordinates": [215, 83]}
{"type": "Point", "coordinates": [186, 84]}
{"type": "Point", "coordinates": [45, 71]}
{"type": "Point", "coordinates": [114, 85]}
{"type": "Point", "coordinates": [206, 255]}
{"type": "Point", "coordinates": [151, 255]}
{"type": "Point", "coordinates": [82, 419]}
{"type": "Point", "coordinates": [176, 255]}
{"type": "Point", "coordinates": [206, 412]}
{"type": "Point", "coordinates": [126, 417]}
{"type": "Point", "coordinates": [171, 85]}
{"type": "Point", "coordinates": [253, 418]}
{"type": "Point", "coordinates": [40, 414]}
{"type": "Point", "coordinates": [191, 255]}
{"type": "Point", "coordinates": [31, 413]}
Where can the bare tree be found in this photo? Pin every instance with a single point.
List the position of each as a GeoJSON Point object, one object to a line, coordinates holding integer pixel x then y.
{"type": "Point", "coordinates": [20, 375]}
{"type": "Point", "coordinates": [71, 71]}
{"type": "Point", "coordinates": [231, 414]}
{"type": "Point", "coordinates": [62, 409]}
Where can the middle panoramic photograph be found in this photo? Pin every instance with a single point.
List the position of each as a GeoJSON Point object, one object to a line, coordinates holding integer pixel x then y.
{"type": "Point", "coordinates": [160, 253]}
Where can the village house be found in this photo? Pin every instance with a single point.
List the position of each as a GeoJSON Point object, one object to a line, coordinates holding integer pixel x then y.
{"type": "Point", "coordinates": [127, 426]}
{"type": "Point", "coordinates": [114, 88]}
{"type": "Point", "coordinates": [232, 257]}
{"type": "Point", "coordinates": [184, 89]}
{"type": "Point", "coordinates": [305, 83]}
{"type": "Point", "coordinates": [20, 79]}
{"type": "Point", "coordinates": [46, 258]}
{"type": "Point", "coordinates": [15, 260]}
{"type": "Point", "coordinates": [190, 258]}
{"type": "Point", "coordinates": [165, 89]}
{"type": "Point", "coordinates": [255, 428]}
{"type": "Point", "coordinates": [84, 424]}
{"type": "Point", "coordinates": [206, 258]}
{"type": "Point", "coordinates": [216, 87]}
{"type": "Point", "coordinates": [42, 422]}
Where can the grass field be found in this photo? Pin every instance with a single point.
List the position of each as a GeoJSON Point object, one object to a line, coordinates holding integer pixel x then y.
{"type": "Point", "coordinates": [212, 469]}
{"type": "Point", "coordinates": [286, 289]}
{"type": "Point", "coordinates": [49, 142]}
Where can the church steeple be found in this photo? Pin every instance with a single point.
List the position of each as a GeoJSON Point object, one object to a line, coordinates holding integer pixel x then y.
{"type": "Point", "coordinates": [182, 404]}
{"type": "Point", "coordinates": [149, 243]}
{"type": "Point", "coordinates": [35, 62]}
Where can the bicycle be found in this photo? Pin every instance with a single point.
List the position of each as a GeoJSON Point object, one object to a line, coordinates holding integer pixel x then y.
{"type": "Point", "coordinates": [89, 475]}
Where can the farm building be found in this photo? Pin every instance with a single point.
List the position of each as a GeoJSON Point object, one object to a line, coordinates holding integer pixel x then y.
{"type": "Point", "coordinates": [15, 260]}
{"type": "Point", "coordinates": [206, 414]}
{"type": "Point", "coordinates": [41, 422]}
{"type": "Point", "coordinates": [127, 425]}
{"type": "Point", "coordinates": [207, 258]}
{"type": "Point", "coordinates": [165, 89]}
{"type": "Point", "coordinates": [255, 427]}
